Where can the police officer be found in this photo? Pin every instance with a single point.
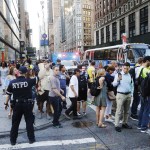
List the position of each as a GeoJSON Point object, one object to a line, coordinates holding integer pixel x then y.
{"type": "Point", "coordinates": [21, 89]}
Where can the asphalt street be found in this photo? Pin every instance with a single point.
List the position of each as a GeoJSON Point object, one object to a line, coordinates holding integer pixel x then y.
{"type": "Point", "coordinates": [80, 134]}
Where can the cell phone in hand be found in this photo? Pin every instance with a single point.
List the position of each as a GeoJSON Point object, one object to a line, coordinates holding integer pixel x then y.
{"type": "Point", "coordinates": [120, 76]}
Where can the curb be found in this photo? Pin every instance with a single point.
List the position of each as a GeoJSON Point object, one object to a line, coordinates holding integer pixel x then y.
{"type": "Point", "coordinates": [37, 128]}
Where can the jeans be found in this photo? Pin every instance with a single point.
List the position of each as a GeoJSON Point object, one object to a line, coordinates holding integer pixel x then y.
{"type": "Point", "coordinates": [73, 106]}
{"type": "Point", "coordinates": [136, 101]}
{"type": "Point", "coordinates": [144, 113]}
{"type": "Point", "coordinates": [56, 103]}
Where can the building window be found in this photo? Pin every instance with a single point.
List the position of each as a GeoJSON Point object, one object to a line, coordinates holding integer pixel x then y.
{"type": "Point", "coordinates": [114, 31]}
{"type": "Point", "coordinates": [102, 35]}
{"type": "Point", "coordinates": [107, 34]}
{"type": "Point", "coordinates": [144, 20]}
{"type": "Point", "coordinates": [132, 25]}
{"type": "Point", "coordinates": [97, 37]}
{"type": "Point", "coordinates": [122, 26]}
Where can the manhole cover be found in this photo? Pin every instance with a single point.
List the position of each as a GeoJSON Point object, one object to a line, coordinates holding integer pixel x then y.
{"type": "Point", "coordinates": [83, 124]}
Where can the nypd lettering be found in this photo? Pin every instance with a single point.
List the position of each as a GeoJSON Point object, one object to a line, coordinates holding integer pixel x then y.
{"type": "Point", "coordinates": [19, 85]}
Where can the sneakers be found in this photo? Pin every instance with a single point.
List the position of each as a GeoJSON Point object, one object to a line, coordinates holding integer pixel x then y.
{"type": "Point", "coordinates": [134, 117]}
{"type": "Point", "coordinates": [78, 113]}
{"type": "Point", "coordinates": [144, 130]}
{"type": "Point", "coordinates": [109, 120]}
{"type": "Point", "coordinates": [126, 126]}
{"type": "Point", "coordinates": [67, 116]}
{"type": "Point", "coordinates": [118, 129]}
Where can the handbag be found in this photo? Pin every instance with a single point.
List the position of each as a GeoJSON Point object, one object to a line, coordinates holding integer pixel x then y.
{"type": "Point", "coordinates": [111, 95]}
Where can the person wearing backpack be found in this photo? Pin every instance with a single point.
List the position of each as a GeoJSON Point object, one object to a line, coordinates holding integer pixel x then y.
{"type": "Point", "coordinates": [136, 97]}
{"type": "Point", "coordinates": [100, 99]}
{"type": "Point", "coordinates": [144, 74]}
{"type": "Point", "coordinates": [82, 90]}
{"type": "Point", "coordinates": [124, 83]}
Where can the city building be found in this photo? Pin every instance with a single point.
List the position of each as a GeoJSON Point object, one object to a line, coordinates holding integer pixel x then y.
{"type": "Point", "coordinates": [9, 30]}
{"type": "Point", "coordinates": [79, 25]}
{"type": "Point", "coordinates": [24, 25]}
{"type": "Point", "coordinates": [114, 17]}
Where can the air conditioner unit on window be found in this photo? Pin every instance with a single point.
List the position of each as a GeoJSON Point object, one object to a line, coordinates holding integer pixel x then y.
{"type": "Point", "coordinates": [102, 21]}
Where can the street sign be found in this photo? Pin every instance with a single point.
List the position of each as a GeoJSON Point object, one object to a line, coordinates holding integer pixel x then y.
{"type": "Point", "coordinates": [44, 36]}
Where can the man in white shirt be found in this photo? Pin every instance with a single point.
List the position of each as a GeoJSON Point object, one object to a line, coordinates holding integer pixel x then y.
{"type": "Point", "coordinates": [73, 94]}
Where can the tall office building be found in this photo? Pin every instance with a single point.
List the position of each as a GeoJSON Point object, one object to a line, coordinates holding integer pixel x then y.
{"type": "Point", "coordinates": [9, 30]}
{"type": "Point", "coordinates": [114, 17]}
{"type": "Point", "coordinates": [79, 24]}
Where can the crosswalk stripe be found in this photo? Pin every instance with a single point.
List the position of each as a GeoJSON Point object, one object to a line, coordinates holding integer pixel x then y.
{"type": "Point", "coordinates": [48, 143]}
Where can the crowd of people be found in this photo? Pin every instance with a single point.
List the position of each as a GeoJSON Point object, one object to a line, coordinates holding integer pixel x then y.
{"type": "Point", "coordinates": [117, 86]}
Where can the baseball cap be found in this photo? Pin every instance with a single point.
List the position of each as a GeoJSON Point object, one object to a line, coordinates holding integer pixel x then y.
{"type": "Point", "coordinates": [23, 70]}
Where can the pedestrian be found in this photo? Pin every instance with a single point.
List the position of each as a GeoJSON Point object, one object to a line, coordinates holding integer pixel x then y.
{"type": "Point", "coordinates": [11, 76]}
{"type": "Point", "coordinates": [58, 63]}
{"type": "Point", "coordinates": [4, 70]}
{"type": "Point", "coordinates": [100, 100]}
{"type": "Point", "coordinates": [82, 90]}
{"type": "Point", "coordinates": [145, 101]}
{"type": "Point", "coordinates": [109, 80]}
{"type": "Point", "coordinates": [73, 94]}
{"type": "Point", "coordinates": [21, 89]}
{"type": "Point", "coordinates": [63, 76]}
{"type": "Point", "coordinates": [55, 96]}
{"type": "Point", "coordinates": [91, 73]}
{"type": "Point", "coordinates": [136, 96]}
{"type": "Point", "coordinates": [31, 75]}
{"type": "Point", "coordinates": [125, 88]}
{"type": "Point", "coordinates": [43, 91]}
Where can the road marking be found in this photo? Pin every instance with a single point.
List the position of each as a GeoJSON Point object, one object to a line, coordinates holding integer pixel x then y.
{"type": "Point", "coordinates": [48, 143]}
{"type": "Point", "coordinates": [93, 107]}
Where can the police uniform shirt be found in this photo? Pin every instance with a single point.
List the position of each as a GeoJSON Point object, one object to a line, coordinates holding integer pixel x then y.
{"type": "Point", "coordinates": [21, 88]}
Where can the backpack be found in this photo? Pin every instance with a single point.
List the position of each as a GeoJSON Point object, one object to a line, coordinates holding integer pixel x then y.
{"type": "Point", "coordinates": [145, 86]}
{"type": "Point", "coordinates": [94, 85]}
{"type": "Point", "coordinates": [140, 79]}
{"type": "Point", "coordinates": [82, 82]}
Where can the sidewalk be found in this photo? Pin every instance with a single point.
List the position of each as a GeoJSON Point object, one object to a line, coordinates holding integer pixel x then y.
{"type": "Point", "coordinates": [6, 122]}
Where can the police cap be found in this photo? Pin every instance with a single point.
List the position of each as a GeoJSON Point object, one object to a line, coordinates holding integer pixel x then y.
{"type": "Point", "coordinates": [23, 70]}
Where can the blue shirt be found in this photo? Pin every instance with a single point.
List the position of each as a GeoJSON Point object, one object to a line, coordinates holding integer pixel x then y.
{"type": "Point", "coordinates": [125, 85]}
{"type": "Point", "coordinates": [62, 79]}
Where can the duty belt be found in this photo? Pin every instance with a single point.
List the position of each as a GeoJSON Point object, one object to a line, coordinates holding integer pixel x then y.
{"type": "Point", "coordinates": [24, 100]}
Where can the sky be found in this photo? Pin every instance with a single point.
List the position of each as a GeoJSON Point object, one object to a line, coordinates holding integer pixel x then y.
{"type": "Point", "coordinates": [34, 8]}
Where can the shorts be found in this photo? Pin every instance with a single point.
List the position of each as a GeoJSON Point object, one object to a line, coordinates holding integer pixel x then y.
{"type": "Point", "coordinates": [82, 95]}
{"type": "Point", "coordinates": [44, 97]}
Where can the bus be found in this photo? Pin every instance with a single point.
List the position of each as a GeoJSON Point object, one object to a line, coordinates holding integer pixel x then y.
{"type": "Point", "coordinates": [120, 53]}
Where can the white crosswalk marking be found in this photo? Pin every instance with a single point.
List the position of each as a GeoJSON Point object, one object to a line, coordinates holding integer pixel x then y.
{"type": "Point", "coordinates": [48, 143]}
